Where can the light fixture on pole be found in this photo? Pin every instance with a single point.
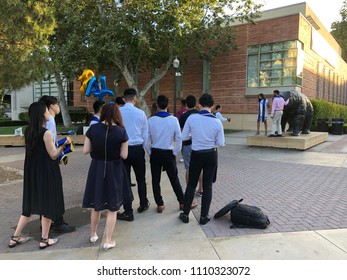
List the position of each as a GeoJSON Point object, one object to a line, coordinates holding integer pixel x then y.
{"type": "Point", "coordinates": [175, 64]}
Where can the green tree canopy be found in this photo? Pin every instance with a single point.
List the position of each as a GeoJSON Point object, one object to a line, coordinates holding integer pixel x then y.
{"type": "Point", "coordinates": [24, 30]}
{"type": "Point", "coordinates": [339, 30]}
{"type": "Point", "coordinates": [141, 35]}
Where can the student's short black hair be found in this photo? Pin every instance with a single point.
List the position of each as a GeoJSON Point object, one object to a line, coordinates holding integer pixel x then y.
{"type": "Point", "coordinates": [49, 100]}
{"type": "Point", "coordinates": [218, 107]}
{"type": "Point", "coordinates": [276, 91]}
{"type": "Point", "coordinates": [191, 101]}
{"type": "Point", "coordinates": [162, 102]}
{"type": "Point", "coordinates": [206, 100]}
{"type": "Point", "coordinates": [129, 94]}
{"type": "Point", "coordinates": [98, 105]}
{"type": "Point", "coordinates": [120, 100]}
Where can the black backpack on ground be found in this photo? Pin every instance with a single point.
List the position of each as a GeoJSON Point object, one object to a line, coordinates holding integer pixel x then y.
{"type": "Point", "coordinates": [243, 215]}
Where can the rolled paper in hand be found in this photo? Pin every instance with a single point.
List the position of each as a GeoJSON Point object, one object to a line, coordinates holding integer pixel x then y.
{"type": "Point", "coordinates": [68, 148]}
{"type": "Point", "coordinates": [63, 159]}
{"type": "Point", "coordinates": [62, 141]}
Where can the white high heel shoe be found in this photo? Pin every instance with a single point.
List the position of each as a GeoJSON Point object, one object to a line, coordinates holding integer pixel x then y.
{"type": "Point", "coordinates": [94, 238]}
{"type": "Point", "coordinates": [108, 246]}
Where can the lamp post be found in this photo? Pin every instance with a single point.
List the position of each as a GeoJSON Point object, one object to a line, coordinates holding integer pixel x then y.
{"type": "Point", "coordinates": [175, 64]}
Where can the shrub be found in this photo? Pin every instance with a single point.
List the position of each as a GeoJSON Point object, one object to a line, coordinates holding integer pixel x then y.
{"type": "Point", "coordinates": [326, 109]}
{"type": "Point", "coordinates": [24, 116]}
{"type": "Point", "coordinates": [76, 117]}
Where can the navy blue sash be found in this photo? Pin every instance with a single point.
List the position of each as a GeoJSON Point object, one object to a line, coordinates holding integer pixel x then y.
{"type": "Point", "coordinates": [207, 114]}
{"type": "Point", "coordinates": [94, 118]}
{"type": "Point", "coordinates": [263, 111]}
{"type": "Point", "coordinates": [162, 114]}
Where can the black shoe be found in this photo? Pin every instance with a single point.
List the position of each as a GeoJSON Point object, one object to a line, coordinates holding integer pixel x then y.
{"type": "Point", "coordinates": [184, 218]}
{"type": "Point", "coordinates": [272, 135]}
{"type": "Point", "coordinates": [204, 220]}
{"type": "Point", "coordinates": [63, 228]}
{"type": "Point", "coordinates": [125, 217]}
{"type": "Point", "coordinates": [132, 184]}
{"type": "Point", "coordinates": [143, 208]}
{"type": "Point", "coordinates": [279, 135]}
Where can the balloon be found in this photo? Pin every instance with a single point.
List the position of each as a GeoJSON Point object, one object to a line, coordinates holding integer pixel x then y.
{"type": "Point", "coordinates": [90, 85]}
{"type": "Point", "coordinates": [84, 79]}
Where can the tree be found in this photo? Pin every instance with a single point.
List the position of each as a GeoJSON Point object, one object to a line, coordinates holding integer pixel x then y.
{"type": "Point", "coordinates": [133, 36]}
{"type": "Point", "coordinates": [66, 46]}
{"type": "Point", "coordinates": [23, 37]}
{"type": "Point", "coordinates": [339, 30]}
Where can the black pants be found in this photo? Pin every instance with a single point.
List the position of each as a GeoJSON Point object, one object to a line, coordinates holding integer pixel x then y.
{"type": "Point", "coordinates": [164, 159]}
{"type": "Point", "coordinates": [206, 162]}
{"type": "Point", "coordinates": [136, 160]}
{"type": "Point", "coordinates": [59, 221]}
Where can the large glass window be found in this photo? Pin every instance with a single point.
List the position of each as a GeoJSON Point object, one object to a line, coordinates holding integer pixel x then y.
{"type": "Point", "coordinates": [275, 64]}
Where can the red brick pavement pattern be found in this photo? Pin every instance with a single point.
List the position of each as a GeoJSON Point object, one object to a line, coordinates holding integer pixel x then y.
{"type": "Point", "coordinates": [296, 197]}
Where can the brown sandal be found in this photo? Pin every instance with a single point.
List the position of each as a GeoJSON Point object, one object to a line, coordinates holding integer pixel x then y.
{"type": "Point", "coordinates": [18, 240]}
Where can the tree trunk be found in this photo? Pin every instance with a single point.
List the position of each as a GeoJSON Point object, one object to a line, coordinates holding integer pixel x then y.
{"type": "Point", "coordinates": [63, 106]}
{"type": "Point", "coordinates": [141, 102]}
{"type": "Point", "coordinates": [2, 95]}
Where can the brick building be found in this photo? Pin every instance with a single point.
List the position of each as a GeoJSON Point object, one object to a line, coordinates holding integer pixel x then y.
{"type": "Point", "coordinates": [287, 48]}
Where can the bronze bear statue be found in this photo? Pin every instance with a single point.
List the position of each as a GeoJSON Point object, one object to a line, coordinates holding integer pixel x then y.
{"type": "Point", "coordinates": [298, 113]}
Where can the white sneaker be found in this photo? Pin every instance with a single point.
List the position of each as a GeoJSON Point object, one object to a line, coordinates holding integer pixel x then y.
{"type": "Point", "coordinates": [181, 160]}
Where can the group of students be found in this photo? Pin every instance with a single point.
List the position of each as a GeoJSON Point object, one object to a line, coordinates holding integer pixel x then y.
{"type": "Point", "coordinates": [117, 142]}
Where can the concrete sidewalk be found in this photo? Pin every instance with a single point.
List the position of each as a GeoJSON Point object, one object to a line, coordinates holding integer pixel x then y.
{"type": "Point", "coordinates": [303, 192]}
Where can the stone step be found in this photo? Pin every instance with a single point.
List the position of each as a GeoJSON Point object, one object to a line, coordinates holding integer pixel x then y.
{"type": "Point", "coordinates": [302, 142]}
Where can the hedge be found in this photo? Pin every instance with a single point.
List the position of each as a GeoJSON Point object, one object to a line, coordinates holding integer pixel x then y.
{"type": "Point", "coordinates": [326, 109]}
{"type": "Point", "coordinates": [77, 117]}
{"type": "Point", "coordinates": [13, 123]}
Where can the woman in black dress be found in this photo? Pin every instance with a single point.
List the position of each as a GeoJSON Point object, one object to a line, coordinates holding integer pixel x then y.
{"type": "Point", "coordinates": [107, 183]}
{"type": "Point", "coordinates": [42, 188]}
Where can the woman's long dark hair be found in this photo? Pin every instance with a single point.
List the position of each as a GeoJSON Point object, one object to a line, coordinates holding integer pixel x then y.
{"type": "Point", "coordinates": [36, 120]}
{"type": "Point", "coordinates": [110, 113]}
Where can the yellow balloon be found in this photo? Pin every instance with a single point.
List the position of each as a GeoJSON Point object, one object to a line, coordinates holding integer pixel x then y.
{"type": "Point", "coordinates": [84, 79]}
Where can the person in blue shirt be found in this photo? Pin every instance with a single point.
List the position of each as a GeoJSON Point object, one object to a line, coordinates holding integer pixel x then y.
{"type": "Point", "coordinates": [206, 132]}
{"type": "Point", "coordinates": [219, 115]}
{"type": "Point", "coordinates": [136, 125]}
{"type": "Point", "coordinates": [97, 110]}
{"type": "Point", "coordinates": [166, 143]}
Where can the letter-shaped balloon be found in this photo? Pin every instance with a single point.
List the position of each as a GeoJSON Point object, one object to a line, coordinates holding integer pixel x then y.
{"type": "Point", "coordinates": [90, 85]}
{"type": "Point", "coordinates": [84, 79]}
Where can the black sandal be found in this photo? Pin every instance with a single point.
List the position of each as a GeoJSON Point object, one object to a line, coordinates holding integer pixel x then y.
{"type": "Point", "coordinates": [46, 241]}
{"type": "Point", "coordinates": [18, 240]}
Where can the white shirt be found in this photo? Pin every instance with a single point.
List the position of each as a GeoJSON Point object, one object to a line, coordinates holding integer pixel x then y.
{"type": "Point", "coordinates": [206, 132]}
{"type": "Point", "coordinates": [165, 133]}
{"type": "Point", "coordinates": [219, 116]}
{"type": "Point", "coordinates": [136, 125]}
{"type": "Point", "coordinates": [94, 121]}
{"type": "Point", "coordinates": [50, 125]}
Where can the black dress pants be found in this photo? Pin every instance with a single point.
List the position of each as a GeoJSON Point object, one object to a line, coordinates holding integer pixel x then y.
{"type": "Point", "coordinates": [205, 161]}
{"type": "Point", "coordinates": [136, 160]}
{"type": "Point", "coordinates": [164, 159]}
